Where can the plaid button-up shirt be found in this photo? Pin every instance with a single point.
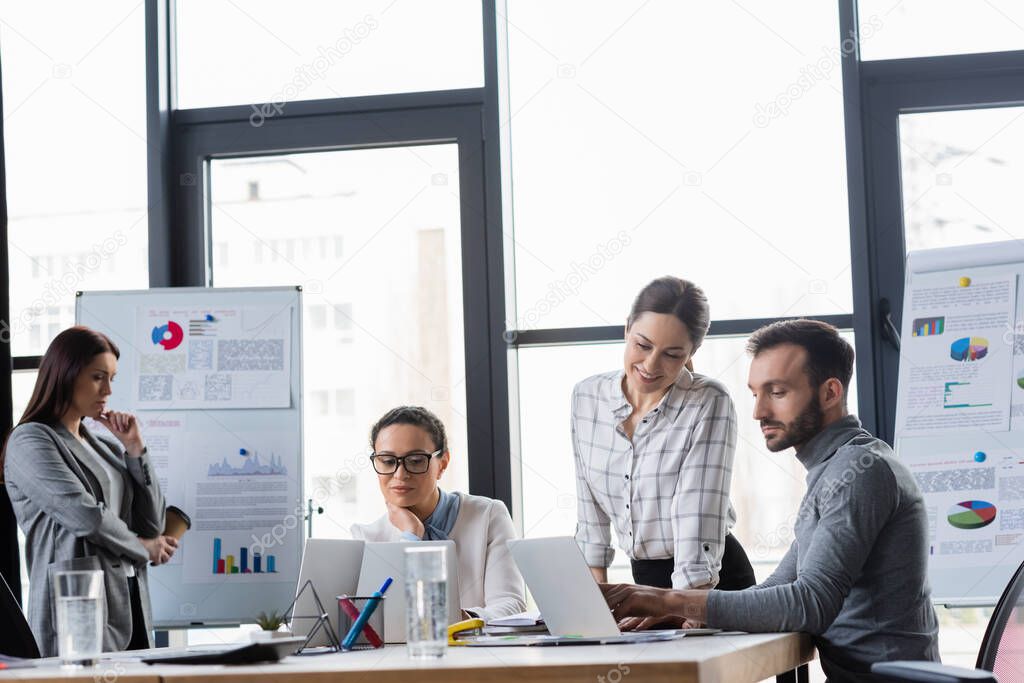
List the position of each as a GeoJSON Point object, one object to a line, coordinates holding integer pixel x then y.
{"type": "Point", "coordinates": [666, 491]}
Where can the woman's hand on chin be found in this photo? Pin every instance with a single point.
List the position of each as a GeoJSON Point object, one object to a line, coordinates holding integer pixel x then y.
{"type": "Point", "coordinates": [125, 428]}
{"type": "Point", "coordinates": [404, 520]}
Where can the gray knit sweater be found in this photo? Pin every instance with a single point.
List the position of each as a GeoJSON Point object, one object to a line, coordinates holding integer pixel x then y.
{"type": "Point", "coordinates": [855, 575]}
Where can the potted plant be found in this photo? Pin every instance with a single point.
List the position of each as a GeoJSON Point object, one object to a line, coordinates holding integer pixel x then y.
{"type": "Point", "coordinates": [270, 627]}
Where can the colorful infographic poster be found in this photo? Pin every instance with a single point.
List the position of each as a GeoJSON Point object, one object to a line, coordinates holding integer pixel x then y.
{"type": "Point", "coordinates": [975, 504]}
{"type": "Point", "coordinates": [243, 497]}
{"type": "Point", "coordinates": [225, 357]}
{"type": "Point", "coordinates": [957, 353]}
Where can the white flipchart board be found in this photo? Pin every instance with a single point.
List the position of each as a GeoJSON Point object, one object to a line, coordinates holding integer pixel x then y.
{"type": "Point", "coordinates": [960, 413]}
{"type": "Point", "coordinates": [215, 376]}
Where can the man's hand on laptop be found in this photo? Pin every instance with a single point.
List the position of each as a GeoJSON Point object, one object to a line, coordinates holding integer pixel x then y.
{"type": "Point", "coordinates": [652, 605]}
{"type": "Point", "coordinates": [647, 623]}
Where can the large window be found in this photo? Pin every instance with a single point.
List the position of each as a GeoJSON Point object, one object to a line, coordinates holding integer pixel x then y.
{"type": "Point", "coordinates": [75, 146]}
{"type": "Point", "coordinates": [271, 52]}
{"type": "Point", "coordinates": [924, 28]}
{"type": "Point", "coordinates": [632, 157]}
{"type": "Point", "coordinates": [373, 238]}
{"type": "Point", "coordinates": [960, 174]}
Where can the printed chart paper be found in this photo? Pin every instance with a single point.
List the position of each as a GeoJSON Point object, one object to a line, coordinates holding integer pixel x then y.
{"type": "Point", "coordinates": [164, 434]}
{"type": "Point", "coordinates": [245, 505]}
{"type": "Point", "coordinates": [957, 353]}
{"type": "Point", "coordinates": [1017, 378]}
{"type": "Point", "coordinates": [213, 358]}
{"type": "Point", "coordinates": [975, 504]}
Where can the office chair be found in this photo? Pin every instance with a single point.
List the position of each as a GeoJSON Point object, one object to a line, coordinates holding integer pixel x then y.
{"type": "Point", "coordinates": [1001, 659]}
{"type": "Point", "coordinates": [17, 640]}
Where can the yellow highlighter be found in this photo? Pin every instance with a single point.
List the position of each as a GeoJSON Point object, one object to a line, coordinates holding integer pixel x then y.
{"type": "Point", "coordinates": [464, 629]}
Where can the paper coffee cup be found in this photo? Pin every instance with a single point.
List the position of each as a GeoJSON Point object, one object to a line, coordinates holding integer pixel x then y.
{"type": "Point", "coordinates": [177, 522]}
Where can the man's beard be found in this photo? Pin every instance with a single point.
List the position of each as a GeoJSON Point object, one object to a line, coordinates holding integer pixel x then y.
{"type": "Point", "coordinates": [801, 430]}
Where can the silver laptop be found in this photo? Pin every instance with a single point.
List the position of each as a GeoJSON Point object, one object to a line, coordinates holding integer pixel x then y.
{"type": "Point", "coordinates": [568, 597]}
{"type": "Point", "coordinates": [332, 566]}
{"type": "Point", "coordinates": [381, 560]}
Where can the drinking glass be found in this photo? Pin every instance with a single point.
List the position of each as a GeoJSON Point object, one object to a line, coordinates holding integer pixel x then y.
{"type": "Point", "coordinates": [426, 602]}
{"type": "Point", "coordinates": [80, 608]}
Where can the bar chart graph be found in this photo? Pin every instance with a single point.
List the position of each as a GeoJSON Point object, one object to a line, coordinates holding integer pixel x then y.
{"type": "Point", "coordinates": [927, 327]}
{"type": "Point", "coordinates": [239, 564]}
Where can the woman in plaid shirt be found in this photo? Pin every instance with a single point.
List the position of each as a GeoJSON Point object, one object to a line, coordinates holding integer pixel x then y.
{"type": "Point", "coordinates": [654, 445]}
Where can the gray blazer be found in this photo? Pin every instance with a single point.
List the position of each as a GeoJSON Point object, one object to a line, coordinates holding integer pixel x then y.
{"type": "Point", "coordinates": [58, 497]}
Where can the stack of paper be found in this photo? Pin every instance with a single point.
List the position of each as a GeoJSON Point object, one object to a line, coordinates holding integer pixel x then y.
{"type": "Point", "coordinates": [524, 622]}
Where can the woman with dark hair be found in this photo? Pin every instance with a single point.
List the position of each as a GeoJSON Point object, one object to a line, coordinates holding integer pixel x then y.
{"type": "Point", "coordinates": [84, 501]}
{"type": "Point", "coordinates": [654, 445]}
{"type": "Point", "coordinates": [410, 453]}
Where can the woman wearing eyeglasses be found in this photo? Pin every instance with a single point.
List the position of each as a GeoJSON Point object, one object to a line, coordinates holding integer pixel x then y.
{"type": "Point", "coordinates": [410, 453]}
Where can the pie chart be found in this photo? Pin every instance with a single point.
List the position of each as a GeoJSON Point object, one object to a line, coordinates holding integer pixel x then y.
{"type": "Point", "coordinates": [168, 336]}
{"type": "Point", "coordinates": [971, 514]}
{"type": "Point", "coordinates": [969, 349]}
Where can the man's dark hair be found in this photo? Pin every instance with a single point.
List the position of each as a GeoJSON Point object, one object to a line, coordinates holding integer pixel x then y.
{"type": "Point", "coordinates": [416, 416]}
{"type": "Point", "coordinates": [828, 354]}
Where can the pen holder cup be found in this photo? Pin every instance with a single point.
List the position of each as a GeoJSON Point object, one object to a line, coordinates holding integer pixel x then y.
{"type": "Point", "coordinates": [349, 607]}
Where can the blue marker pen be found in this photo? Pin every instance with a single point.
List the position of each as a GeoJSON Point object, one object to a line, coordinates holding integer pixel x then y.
{"type": "Point", "coordinates": [364, 616]}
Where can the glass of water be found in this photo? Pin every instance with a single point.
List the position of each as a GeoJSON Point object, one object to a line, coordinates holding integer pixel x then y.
{"type": "Point", "coordinates": [426, 602]}
{"type": "Point", "coordinates": [81, 604]}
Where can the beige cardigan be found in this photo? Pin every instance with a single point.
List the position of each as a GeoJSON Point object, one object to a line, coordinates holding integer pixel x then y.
{"type": "Point", "coordinates": [488, 577]}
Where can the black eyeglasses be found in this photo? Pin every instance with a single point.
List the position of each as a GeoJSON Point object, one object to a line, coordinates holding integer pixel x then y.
{"type": "Point", "coordinates": [414, 463]}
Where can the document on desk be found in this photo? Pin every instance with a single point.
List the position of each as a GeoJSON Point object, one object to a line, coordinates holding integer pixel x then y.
{"type": "Point", "coordinates": [531, 618]}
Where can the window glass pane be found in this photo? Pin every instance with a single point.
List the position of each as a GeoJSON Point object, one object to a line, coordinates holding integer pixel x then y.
{"type": "Point", "coordinates": [22, 384]}
{"type": "Point", "coordinates": [398, 283]}
{"type": "Point", "coordinates": [766, 487]}
{"type": "Point", "coordinates": [74, 97]}
{"type": "Point", "coordinates": [631, 158]}
{"type": "Point", "coordinates": [317, 317]}
{"type": "Point", "coordinates": [263, 51]}
{"type": "Point", "coordinates": [962, 172]}
{"type": "Point", "coordinates": [924, 28]}
{"type": "Point", "coordinates": [343, 317]}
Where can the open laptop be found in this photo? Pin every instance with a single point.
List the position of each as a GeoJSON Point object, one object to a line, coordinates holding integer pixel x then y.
{"type": "Point", "coordinates": [381, 560]}
{"type": "Point", "coordinates": [568, 597]}
{"type": "Point", "coordinates": [332, 566]}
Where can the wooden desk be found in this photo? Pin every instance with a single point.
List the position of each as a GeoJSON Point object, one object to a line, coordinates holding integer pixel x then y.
{"type": "Point", "coordinates": [105, 672]}
{"type": "Point", "coordinates": [718, 659]}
